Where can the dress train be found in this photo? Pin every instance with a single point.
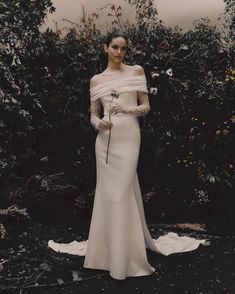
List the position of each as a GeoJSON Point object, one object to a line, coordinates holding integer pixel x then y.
{"type": "Point", "coordinates": [118, 235]}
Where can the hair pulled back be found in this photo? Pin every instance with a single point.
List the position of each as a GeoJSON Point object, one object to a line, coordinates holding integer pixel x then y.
{"type": "Point", "coordinates": [102, 61]}
{"type": "Point", "coordinates": [114, 35]}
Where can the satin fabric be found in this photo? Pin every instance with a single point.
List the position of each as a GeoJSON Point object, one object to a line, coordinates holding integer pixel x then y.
{"type": "Point", "coordinates": [118, 234]}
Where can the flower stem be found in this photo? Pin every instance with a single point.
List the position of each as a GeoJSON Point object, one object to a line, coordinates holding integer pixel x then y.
{"type": "Point", "coordinates": [109, 134]}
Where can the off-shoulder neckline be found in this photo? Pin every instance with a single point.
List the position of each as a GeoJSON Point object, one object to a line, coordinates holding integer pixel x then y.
{"type": "Point", "coordinates": [120, 78]}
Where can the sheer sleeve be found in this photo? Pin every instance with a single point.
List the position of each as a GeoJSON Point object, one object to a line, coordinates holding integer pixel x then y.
{"type": "Point", "coordinates": [95, 108]}
{"type": "Point", "coordinates": [142, 109]}
{"type": "Point", "coordinates": [142, 93]}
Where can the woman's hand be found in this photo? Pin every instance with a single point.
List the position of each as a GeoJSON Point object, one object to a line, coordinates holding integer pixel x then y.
{"type": "Point", "coordinates": [104, 124]}
{"type": "Point", "coordinates": [116, 107]}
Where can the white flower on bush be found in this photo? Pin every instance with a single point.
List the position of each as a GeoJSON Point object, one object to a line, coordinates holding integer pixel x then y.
{"type": "Point", "coordinates": [15, 60]}
{"type": "Point", "coordinates": [168, 133]}
{"type": "Point", "coordinates": [169, 72]}
{"type": "Point", "coordinates": [155, 74]}
{"type": "Point", "coordinates": [211, 178]}
{"type": "Point", "coordinates": [138, 52]}
{"type": "Point", "coordinates": [153, 90]}
{"type": "Point", "coordinates": [184, 46]}
{"type": "Point", "coordinates": [25, 113]}
{"type": "Point", "coordinates": [47, 71]}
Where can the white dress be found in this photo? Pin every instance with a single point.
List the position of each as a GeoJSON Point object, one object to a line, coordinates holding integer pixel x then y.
{"type": "Point", "coordinates": [118, 234]}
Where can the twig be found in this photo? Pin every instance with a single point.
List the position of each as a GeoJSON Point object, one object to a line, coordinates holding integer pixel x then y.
{"type": "Point", "coordinates": [55, 284]}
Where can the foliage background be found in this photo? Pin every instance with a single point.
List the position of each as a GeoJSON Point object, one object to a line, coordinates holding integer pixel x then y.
{"type": "Point", "coordinates": [47, 161]}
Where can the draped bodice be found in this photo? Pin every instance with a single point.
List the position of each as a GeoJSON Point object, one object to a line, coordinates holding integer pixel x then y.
{"type": "Point", "coordinates": [126, 87]}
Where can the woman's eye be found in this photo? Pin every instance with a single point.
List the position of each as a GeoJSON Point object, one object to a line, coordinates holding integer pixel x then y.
{"type": "Point", "coordinates": [115, 47]}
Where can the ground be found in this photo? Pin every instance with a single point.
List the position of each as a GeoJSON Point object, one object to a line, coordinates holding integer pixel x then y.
{"type": "Point", "coordinates": [27, 265]}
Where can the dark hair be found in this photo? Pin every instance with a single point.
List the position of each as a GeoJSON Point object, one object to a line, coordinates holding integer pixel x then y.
{"type": "Point", "coordinates": [114, 35]}
{"type": "Point", "coordinates": [101, 61]}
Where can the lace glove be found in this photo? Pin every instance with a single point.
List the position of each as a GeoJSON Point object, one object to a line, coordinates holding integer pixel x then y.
{"type": "Point", "coordinates": [142, 109]}
{"type": "Point", "coordinates": [95, 113]}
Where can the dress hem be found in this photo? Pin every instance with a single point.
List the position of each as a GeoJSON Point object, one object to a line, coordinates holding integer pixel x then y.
{"type": "Point", "coordinates": [118, 278]}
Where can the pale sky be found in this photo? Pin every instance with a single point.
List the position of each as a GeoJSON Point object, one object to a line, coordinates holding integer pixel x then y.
{"type": "Point", "coordinates": [172, 12]}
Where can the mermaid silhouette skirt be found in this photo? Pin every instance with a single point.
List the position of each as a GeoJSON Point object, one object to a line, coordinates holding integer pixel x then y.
{"type": "Point", "coordinates": [116, 239]}
{"type": "Point", "coordinates": [118, 234]}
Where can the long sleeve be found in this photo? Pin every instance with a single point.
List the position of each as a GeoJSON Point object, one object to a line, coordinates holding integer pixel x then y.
{"type": "Point", "coordinates": [142, 109]}
{"type": "Point", "coordinates": [95, 108]}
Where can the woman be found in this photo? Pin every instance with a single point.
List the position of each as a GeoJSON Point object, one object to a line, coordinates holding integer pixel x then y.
{"type": "Point", "coordinates": [118, 234]}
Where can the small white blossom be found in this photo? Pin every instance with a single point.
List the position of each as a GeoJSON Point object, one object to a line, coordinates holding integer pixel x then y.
{"type": "Point", "coordinates": [13, 61]}
{"type": "Point", "coordinates": [8, 49]}
{"type": "Point", "coordinates": [168, 134]}
{"type": "Point", "coordinates": [24, 112]}
{"type": "Point", "coordinates": [153, 91]}
{"type": "Point", "coordinates": [153, 75]}
{"type": "Point", "coordinates": [138, 52]}
{"type": "Point", "coordinates": [169, 72]}
{"type": "Point", "coordinates": [211, 178]}
{"type": "Point", "coordinates": [184, 46]}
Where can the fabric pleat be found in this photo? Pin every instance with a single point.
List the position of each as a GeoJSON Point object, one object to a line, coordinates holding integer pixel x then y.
{"type": "Point", "coordinates": [124, 84]}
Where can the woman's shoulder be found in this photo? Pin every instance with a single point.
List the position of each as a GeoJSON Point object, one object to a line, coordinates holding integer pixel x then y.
{"type": "Point", "coordinates": [138, 70]}
{"type": "Point", "coordinates": [95, 80]}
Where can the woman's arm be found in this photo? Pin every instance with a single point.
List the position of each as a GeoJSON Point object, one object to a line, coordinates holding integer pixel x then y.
{"type": "Point", "coordinates": [95, 109]}
{"type": "Point", "coordinates": [95, 113]}
{"type": "Point", "coordinates": [144, 107]}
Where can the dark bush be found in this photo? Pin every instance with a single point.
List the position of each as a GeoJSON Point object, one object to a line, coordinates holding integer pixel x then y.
{"type": "Point", "coordinates": [186, 164]}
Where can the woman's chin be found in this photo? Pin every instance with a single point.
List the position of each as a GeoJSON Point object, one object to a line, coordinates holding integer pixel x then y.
{"type": "Point", "coordinates": [118, 60]}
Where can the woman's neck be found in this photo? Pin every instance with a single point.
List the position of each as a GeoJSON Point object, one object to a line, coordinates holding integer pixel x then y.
{"type": "Point", "coordinates": [115, 66]}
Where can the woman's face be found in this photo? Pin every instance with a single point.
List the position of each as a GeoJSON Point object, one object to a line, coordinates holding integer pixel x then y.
{"type": "Point", "coordinates": [116, 50]}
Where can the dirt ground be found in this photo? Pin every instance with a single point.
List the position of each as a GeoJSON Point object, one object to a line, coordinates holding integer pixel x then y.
{"type": "Point", "coordinates": [27, 265]}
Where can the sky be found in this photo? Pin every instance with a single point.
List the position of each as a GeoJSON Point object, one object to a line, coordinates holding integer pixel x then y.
{"type": "Point", "coordinates": [172, 12]}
